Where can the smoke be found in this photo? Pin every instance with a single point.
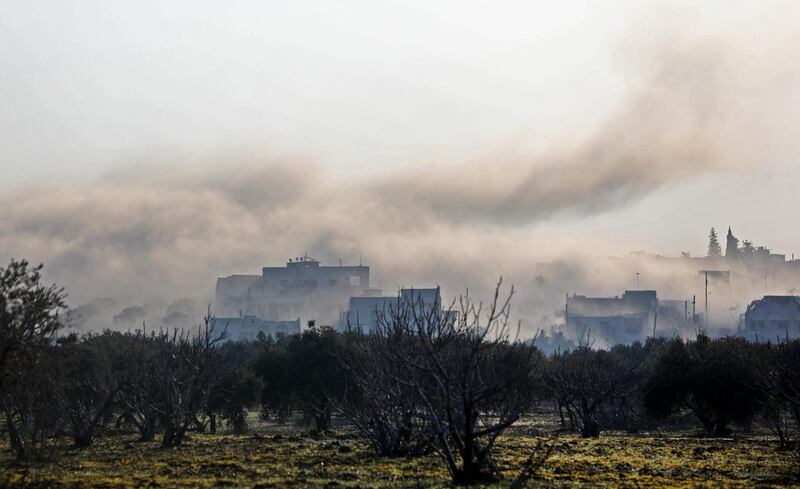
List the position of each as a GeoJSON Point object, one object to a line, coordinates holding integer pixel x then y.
{"type": "Point", "coordinates": [147, 232]}
{"type": "Point", "coordinates": [669, 128]}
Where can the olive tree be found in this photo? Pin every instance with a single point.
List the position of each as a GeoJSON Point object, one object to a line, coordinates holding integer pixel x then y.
{"type": "Point", "coordinates": [715, 380]}
{"type": "Point", "coordinates": [29, 318]}
{"type": "Point", "coordinates": [29, 311]}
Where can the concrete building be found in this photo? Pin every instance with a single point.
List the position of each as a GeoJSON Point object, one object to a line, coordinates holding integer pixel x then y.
{"type": "Point", "coordinates": [302, 289]}
{"type": "Point", "coordinates": [613, 320]}
{"type": "Point", "coordinates": [366, 312]}
{"type": "Point", "coordinates": [773, 316]}
{"type": "Point", "coordinates": [248, 327]}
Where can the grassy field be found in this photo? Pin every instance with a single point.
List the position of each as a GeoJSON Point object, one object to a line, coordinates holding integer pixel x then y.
{"type": "Point", "coordinates": [285, 458]}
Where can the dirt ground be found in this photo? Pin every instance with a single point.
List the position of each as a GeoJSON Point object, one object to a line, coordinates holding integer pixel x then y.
{"type": "Point", "coordinates": [287, 458]}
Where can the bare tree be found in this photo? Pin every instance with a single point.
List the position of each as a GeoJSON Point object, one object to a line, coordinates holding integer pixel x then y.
{"type": "Point", "coordinates": [471, 376]}
{"type": "Point", "coordinates": [91, 377]}
{"type": "Point", "coordinates": [141, 394]}
{"type": "Point", "coordinates": [778, 383]}
{"type": "Point", "coordinates": [598, 388]}
{"type": "Point", "coordinates": [185, 371]}
{"type": "Point", "coordinates": [380, 403]}
{"type": "Point", "coordinates": [581, 382]}
{"type": "Point", "coordinates": [235, 389]}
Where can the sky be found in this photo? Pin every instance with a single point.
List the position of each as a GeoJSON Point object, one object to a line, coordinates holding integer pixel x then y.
{"type": "Point", "coordinates": [515, 127]}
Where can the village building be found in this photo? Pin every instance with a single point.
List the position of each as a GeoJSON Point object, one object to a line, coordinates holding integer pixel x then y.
{"type": "Point", "coordinates": [636, 315]}
{"type": "Point", "coordinates": [303, 289]}
{"type": "Point", "coordinates": [366, 313]}
{"type": "Point", "coordinates": [248, 327]}
{"type": "Point", "coordinates": [773, 316]}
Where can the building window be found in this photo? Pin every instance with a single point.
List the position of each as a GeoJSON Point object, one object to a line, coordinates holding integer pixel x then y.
{"type": "Point", "coordinates": [354, 281]}
{"type": "Point", "coordinates": [332, 282]}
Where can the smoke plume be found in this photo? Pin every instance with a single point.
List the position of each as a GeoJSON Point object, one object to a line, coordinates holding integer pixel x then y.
{"type": "Point", "coordinates": [146, 232]}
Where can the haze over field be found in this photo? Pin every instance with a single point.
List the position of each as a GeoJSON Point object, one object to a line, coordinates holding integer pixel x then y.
{"type": "Point", "coordinates": [149, 148]}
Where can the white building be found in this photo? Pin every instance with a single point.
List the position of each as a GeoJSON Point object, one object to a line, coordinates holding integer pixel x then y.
{"type": "Point", "coordinates": [365, 313]}
{"type": "Point", "coordinates": [302, 289]}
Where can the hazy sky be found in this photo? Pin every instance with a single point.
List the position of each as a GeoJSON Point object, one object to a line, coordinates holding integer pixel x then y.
{"type": "Point", "coordinates": [358, 85]}
{"type": "Point", "coordinates": [364, 90]}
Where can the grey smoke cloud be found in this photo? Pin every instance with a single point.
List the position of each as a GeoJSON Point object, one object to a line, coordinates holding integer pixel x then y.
{"type": "Point", "coordinates": [145, 232]}
{"type": "Point", "coordinates": [671, 125]}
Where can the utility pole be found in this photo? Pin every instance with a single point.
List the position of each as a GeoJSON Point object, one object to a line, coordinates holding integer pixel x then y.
{"type": "Point", "coordinates": [685, 316]}
{"type": "Point", "coordinates": [705, 319]}
{"type": "Point", "coordinates": [655, 321]}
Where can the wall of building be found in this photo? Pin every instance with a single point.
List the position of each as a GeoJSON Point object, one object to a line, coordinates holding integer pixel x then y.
{"type": "Point", "coordinates": [248, 327]}
{"type": "Point", "coordinates": [612, 320]}
{"type": "Point", "coordinates": [365, 312]}
{"type": "Point", "coordinates": [232, 294]}
{"type": "Point", "coordinates": [773, 316]}
{"type": "Point", "coordinates": [302, 289]}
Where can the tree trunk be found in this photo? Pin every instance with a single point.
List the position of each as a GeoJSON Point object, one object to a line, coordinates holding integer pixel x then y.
{"type": "Point", "coordinates": [591, 428]}
{"type": "Point", "coordinates": [571, 417]}
{"type": "Point", "coordinates": [168, 439]}
{"type": "Point", "coordinates": [179, 434]}
{"type": "Point", "coordinates": [721, 427]}
{"type": "Point", "coordinates": [82, 440]}
{"type": "Point", "coordinates": [17, 445]}
{"type": "Point", "coordinates": [212, 423]}
{"type": "Point", "coordinates": [474, 464]}
{"type": "Point", "coordinates": [173, 437]}
{"type": "Point", "coordinates": [322, 421]}
{"type": "Point", "coordinates": [782, 444]}
{"type": "Point", "coordinates": [147, 431]}
{"type": "Point", "coordinates": [471, 473]}
{"type": "Point", "coordinates": [198, 425]}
